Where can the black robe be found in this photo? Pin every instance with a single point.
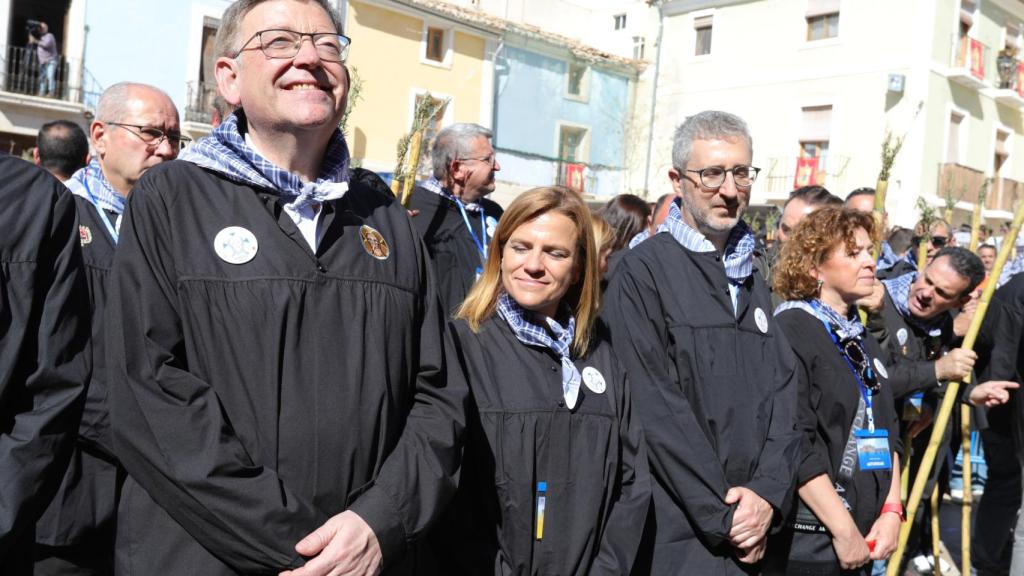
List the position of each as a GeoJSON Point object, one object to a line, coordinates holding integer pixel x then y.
{"type": "Point", "coordinates": [84, 510]}
{"type": "Point", "coordinates": [828, 397]}
{"type": "Point", "coordinates": [521, 433]}
{"type": "Point", "coordinates": [251, 402]}
{"type": "Point", "coordinates": [909, 352]}
{"type": "Point", "coordinates": [716, 395]}
{"type": "Point", "coordinates": [44, 349]}
{"type": "Point", "coordinates": [455, 255]}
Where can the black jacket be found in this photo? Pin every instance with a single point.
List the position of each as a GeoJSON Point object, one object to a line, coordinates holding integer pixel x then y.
{"type": "Point", "coordinates": [44, 349]}
{"type": "Point", "coordinates": [454, 253]}
{"type": "Point", "coordinates": [909, 352]}
{"type": "Point", "coordinates": [715, 393]}
{"type": "Point", "coordinates": [251, 402]}
{"type": "Point", "coordinates": [84, 509]}
{"type": "Point", "coordinates": [520, 433]}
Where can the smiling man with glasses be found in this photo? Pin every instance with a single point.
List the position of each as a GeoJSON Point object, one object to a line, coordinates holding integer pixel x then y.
{"type": "Point", "coordinates": [279, 391]}
{"type": "Point", "coordinates": [713, 377]}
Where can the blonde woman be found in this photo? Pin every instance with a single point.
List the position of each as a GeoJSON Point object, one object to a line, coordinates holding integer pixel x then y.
{"type": "Point", "coordinates": [554, 477]}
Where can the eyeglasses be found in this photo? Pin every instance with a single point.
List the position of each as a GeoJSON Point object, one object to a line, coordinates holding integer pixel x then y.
{"type": "Point", "coordinates": [937, 241]}
{"type": "Point", "coordinates": [154, 137]}
{"type": "Point", "coordinates": [713, 177]}
{"type": "Point", "coordinates": [283, 44]}
{"type": "Point", "coordinates": [486, 159]}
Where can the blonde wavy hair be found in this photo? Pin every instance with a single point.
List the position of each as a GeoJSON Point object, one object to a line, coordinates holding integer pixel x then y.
{"type": "Point", "coordinates": [814, 239]}
{"type": "Point", "coordinates": [582, 297]}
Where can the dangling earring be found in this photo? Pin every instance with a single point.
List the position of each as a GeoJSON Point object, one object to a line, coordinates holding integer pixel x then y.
{"type": "Point", "coordinates": [817, 291]}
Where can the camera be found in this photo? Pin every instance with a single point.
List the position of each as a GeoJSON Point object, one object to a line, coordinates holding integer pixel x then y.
{"type": "Point", "coordinates": [33, 27]}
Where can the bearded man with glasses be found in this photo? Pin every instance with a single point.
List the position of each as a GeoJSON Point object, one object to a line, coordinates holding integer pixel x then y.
{"type": "Point", "coordinates": [712, 375]}
{"type": "Point", "coordinates": [279, 393]}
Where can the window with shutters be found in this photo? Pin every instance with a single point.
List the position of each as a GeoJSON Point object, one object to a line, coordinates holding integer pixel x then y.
{"type": "Point", "coordinates": [620, 21]}
{"type": "Point", "coordinates": [815, 128]}
{"type": "Point", "coordinates": [702, 29]}
{"type": "Point", "coordinates": [435, 44]}
{"type": "Point", "coordinates": [577, 82]}
{"type": "Point", "coordinates": [822, 19]}
{"type": "Point", "coordinates": [956, 120]}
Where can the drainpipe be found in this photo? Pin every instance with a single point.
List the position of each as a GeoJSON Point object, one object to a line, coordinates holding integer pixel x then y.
{"type": "Point", "coordinates": [494, 85]}
{"type": "Point", "coordinates": [654, 101]}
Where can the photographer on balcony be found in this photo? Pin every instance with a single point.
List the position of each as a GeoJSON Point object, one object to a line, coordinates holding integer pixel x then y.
{"type": "Point", "coordinates": [46, 52]}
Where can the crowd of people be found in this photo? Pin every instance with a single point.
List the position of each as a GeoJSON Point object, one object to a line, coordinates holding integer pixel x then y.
{"type": "Point", "coordinates": [246, 356]}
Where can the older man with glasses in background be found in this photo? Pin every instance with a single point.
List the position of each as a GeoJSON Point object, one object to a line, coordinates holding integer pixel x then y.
{"type": "Point", "coordinates": [136, 129]}
{"type": "Point", "coordinates": [712, 375]}
{"type": "Point", "coordinates": [279, 393]}
{"type": "Point", "coordinates": [454, 217]}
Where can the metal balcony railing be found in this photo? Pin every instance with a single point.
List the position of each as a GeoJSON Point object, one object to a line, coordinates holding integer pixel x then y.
{"type": "Point", "coordinates": [199, 107]}
{"type": "Point", "coordinates": [783, 175]}
{"type": "Point", "coordinates": [21, 73]}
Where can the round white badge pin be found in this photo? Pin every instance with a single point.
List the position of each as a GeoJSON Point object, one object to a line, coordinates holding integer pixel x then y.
{"type": "Point", "coordinates": [762, 320]}
{"type": "Point", "coordinates": [901, 336]}
{"type": "Point", "coordinates": [235, 245]}
{"type": "Point", "coordinates": [491, 224]}
{"type": "Point", "coordinates": [880, 368]}
{"type": "Point", "coordinates": [594, 380]}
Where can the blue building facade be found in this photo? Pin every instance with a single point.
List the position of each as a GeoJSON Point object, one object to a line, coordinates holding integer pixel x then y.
{"type": "Point", "coordinates": [561, 119]}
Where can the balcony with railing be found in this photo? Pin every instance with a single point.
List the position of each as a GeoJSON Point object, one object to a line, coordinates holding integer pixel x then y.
{"type": "Point", "coordinates": [23, 81]}
{"type": "Point", "coordinates": [782, 175]}
{"type": "Point", "coordinates": [199, 107]}
{"type": "Point", "coordinates": [1004, 194]}
{"type": "Point", "coordinates": [970, 62]}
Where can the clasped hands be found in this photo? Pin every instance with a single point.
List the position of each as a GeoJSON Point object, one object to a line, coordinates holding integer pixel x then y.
{"type": "Point", "coordinates": [344, 546]}
{"type": "Point", "coordinates": [750, 522]}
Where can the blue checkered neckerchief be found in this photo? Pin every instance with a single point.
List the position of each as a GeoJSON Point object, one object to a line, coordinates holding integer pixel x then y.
{"type": "Point", "coordinates": [899, 291]}
{"type": "Point", "coordinates": [739, 248]}
{"type": "Point", "coordinates": [887, 259]}
{"type": "Point", "coordinates": [90, 181]}
{"type": "Point", "coordinates": [226, 151]}
{"type": "Point", "coordinates": [845, 328]}
{"type": "Point", "coordinates": [532, 335]}
{"type": "Point", "coordinates": [1012, 268]}
{"type": "Point", "coordinates": [434, 185]}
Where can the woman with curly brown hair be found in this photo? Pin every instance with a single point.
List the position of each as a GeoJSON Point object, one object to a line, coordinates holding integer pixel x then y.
{"type": "Point", "coordinates": [848, 511]}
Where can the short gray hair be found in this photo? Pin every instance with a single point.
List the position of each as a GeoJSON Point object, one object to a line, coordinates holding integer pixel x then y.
{"type": "Point", "coordinates": [452, 143]}
{"type": "Point", "coordinates": [113, 103]}
{"type": "Point", "coordinates": [227, 36]}
{"type": "Point", "coordinates": [707, 125]}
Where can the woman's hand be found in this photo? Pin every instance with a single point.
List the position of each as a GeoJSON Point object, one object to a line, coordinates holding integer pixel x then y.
{"type": "Point", "coordinates": [885, 532]}
{"type": "Point", "coordinates": [852, 551]}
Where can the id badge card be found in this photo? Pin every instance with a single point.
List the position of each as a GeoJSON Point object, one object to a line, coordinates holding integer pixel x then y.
{"type": "Point", "coordinates": [873, 450]}
{"type": "Point", "coordinates": [477, 273]}
{"type": "Point", "coordinates": [912, 407]}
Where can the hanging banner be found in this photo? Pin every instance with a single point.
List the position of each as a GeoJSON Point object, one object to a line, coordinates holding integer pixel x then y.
{"type": "Point", "coordinates": [977, 59]}
{"type": "Point", "coordinates": [1020, 79]}
{"type": "Point", "coordinates": [574, 176]}
{"type": "Point", "coordinates": [806, 172]}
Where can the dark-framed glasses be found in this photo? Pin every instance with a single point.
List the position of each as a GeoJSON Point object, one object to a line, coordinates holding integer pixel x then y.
{"type": "Point", "coordinates": [152, 136]}
{"type": "Point", "coordinates": [489, 160]}
{"type": "Point", "coordinates": [279, 43]}
{"type": "Point", "coordinates": [713, 177]}
{"type": "Point", "coordinates": [937, 241]}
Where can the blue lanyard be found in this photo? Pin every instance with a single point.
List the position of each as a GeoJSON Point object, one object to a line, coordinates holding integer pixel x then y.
{"type": "Point", "coordinates": [84, 179]}
{"type": "Point", "coordinates": [480, 246]}
{"type": "Point", "coordinates": [864, 391]}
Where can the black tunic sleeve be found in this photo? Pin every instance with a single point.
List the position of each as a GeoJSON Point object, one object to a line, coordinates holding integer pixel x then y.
{"type": "Point", "coordinates": [679, 452]}
{"type": "Point", "coordinates": [168, 425]}
{"type": "Point", "coordinates": [814, 456]}
{"type": "Point", "coordinates": [619, 543]}
{"type": "Point", "coordinates": [44, 344]}
{"type": "Point", "coordinates": [906, 374]}
{"type": "Point", "coordinates": [420, 476]}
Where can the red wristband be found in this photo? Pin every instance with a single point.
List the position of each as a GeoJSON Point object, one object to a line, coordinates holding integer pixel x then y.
{"type": "Point", "coordinates": [896, 509]}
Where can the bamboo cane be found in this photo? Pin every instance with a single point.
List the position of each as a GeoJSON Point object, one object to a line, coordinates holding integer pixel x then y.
{"type": "Point", "coordinates": [965, 426]}
{"type": "Point", "coordinates": [965, 510]}
{"type": "Point", "coordinates": [952, 395]}
{"type": "Point", "coordinates": [936, 550]}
